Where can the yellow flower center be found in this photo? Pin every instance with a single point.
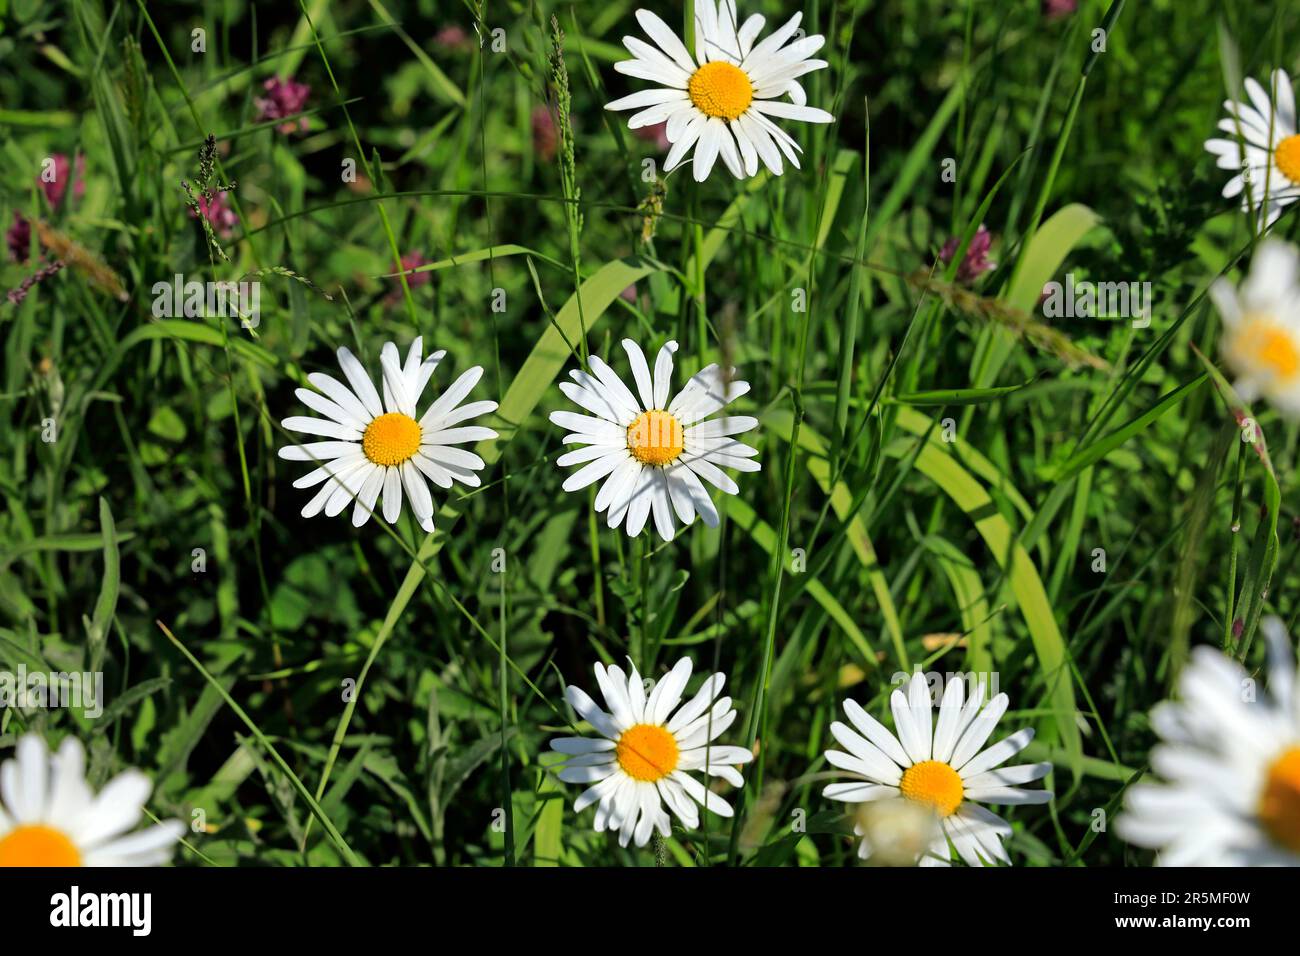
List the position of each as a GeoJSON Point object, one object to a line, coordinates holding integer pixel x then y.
{"type": "Point", "coordinates": [935, 783]}
{"type": "Point", "coordinates": [655, 438]}
{"type": "Point", "coordinates": [1263, 342]}
{"type": "Point", "coordinates": [1287, 157]}
{"type": "Point", "coordinates": [646, 752]}
{"type": "Point", "coordinates": [1279, 804]}
{"type": "Point", "coordinates": [391, 439]}
{"type": "Point", "coordinates": [36, 845]}
{"type": "Point", "coordinates": [720, 89]}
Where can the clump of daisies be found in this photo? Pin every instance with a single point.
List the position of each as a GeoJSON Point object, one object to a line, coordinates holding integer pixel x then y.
{"type": "Point", "coordinates": [651, 452]}
{"type": "Point", "coordinates": [943, 766]}
{"type": "Point", "coordinates": [49, 816]}
{"type": "Point", "coordinates": [375, 445]}
{"type": "Point", "coordinates": [1229, 761]}
{"type": "Point", "coordinates": [1264, 148]}
{"type": "Point", "coordinates": [646, 750]}
{"type": "Point", "coordinates": [722, 100]}
{"type": "Point", "coordinates": [1261, 327]}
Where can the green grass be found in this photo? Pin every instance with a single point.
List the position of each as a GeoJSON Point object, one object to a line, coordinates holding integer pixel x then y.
{"type": "Point", "coordinates": [938, 459]}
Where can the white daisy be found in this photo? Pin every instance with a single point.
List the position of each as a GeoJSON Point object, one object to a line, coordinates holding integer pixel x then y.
{"type": "Point", "coordinates": [1231, 759]}
{"type": "Point", "coordinates": [50, 817]}
{"type": "Point", "coordinates": [654, 451]}
{"type": "Point", "coordinates": [1269, 158]}
{"type": "Point", "coordinates": [376, 446]}
{"type": "Point", "coordinates": [645, 753]}
{"type": "Point", "coordinates": [950, 770]}
{"type": "Point", "coordinates": [722, 100]}
{"type": "Point", "coordinates": [1261, 327]}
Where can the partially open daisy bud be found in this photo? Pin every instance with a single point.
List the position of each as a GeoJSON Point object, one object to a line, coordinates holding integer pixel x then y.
{"type": "Point", "coordinates": [895, 831]}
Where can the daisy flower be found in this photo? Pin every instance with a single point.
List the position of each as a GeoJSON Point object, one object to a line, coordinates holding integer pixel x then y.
{"type": "Point", "coordinates": [376, 446]}
{"type": "Point", "coordinates": [646, 753]}
{"type": "Point", "coordinates": [1230, 760]}
{"type": "Point", "coordinates": [1261, 327]}
{"type": "Point", "coordinates": [1269, 158]}
{"type": "Point", "coordinates": [50, 817]}
{"type": "Point", "coordinates": [722, 101]}
{"type": "Point", "coordinates": [651, 452]}
{"type": "Point", "coordinates": [946, 768]}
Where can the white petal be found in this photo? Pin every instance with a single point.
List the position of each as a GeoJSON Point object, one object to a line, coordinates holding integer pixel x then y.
{"type": "Point", "coordinates": [972, 739]}
{"type": "Point", "coordinates": [323, 427]}
{"type": "Point", "coordinates": [804, 114]}
{"type": "Point", "coordinates": [876, 732]}
{"type": "Point", "coordinates": [451, 397]}
{"type": "Point", "coordinates": [707, 151]}
{"type": "Point", "coordinates": [342, 396]}
{"type": "Point", "coordinates": [644, 98]}
{"type": "Point", "coordinates": [392, 495]}
{"type": "Point", "coordinates": [667, 40]}
{"type": "Point", "coordinates": [667, 693]}
{"type": "Point", "coordinates": [116, 810]}
{"type": "Point", "coordinates": [361, 384]}
{"type": "Point", "coordinates": [640, 373]}
{"type": "Point", "coordinates": [663, 377]}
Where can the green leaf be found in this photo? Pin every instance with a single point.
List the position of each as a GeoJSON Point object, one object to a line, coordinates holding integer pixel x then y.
{"type": "Point", "coordinates": [958, 396]}
{"type": "Point", "coordinates": [1026, 584]}
{"type": "Point", "coordinates": [1092, 453]}
{"type": "Point", "coordinates": [548, 837]}
{"type": "Point", "coordinates": [106, 604]}
{"type": "Point", "coordinates": [165, 423]}
{"type": "Point", "coordinates": [441, 82]}
{"type": "Point", "coordinates": [1264, 549]}
{"type": "Point", "coordinates": [331, 831]}
{"type": "Point", "coordinates": [780, 423]}
{"type": "Point", "coordinates": [765, 537]}
{"type": "Point", "coordinates": [1037, 265]}
{"type": "Point", "coordinates": [968, 592]}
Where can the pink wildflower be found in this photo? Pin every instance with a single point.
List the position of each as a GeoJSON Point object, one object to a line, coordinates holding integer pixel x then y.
{"type": "Point", "coordinates": [977, 261]}
{"type": "Point", "coordinates": [410, 262]}
{"type": "Point", "coordinates": [19, 238]}
{"type": "Point", "coordinates": [56, 186]}
{"type": "Point", "coordinates": [453, 38]}
{"type": "Point", "coordinates": [546, 137]}
{"type": "Point", "coordinates": [218, 214]}
{"type": "Point", "coordinates": [1056, 9]}
{"type": "Point", "coordinates": [284, 99]}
